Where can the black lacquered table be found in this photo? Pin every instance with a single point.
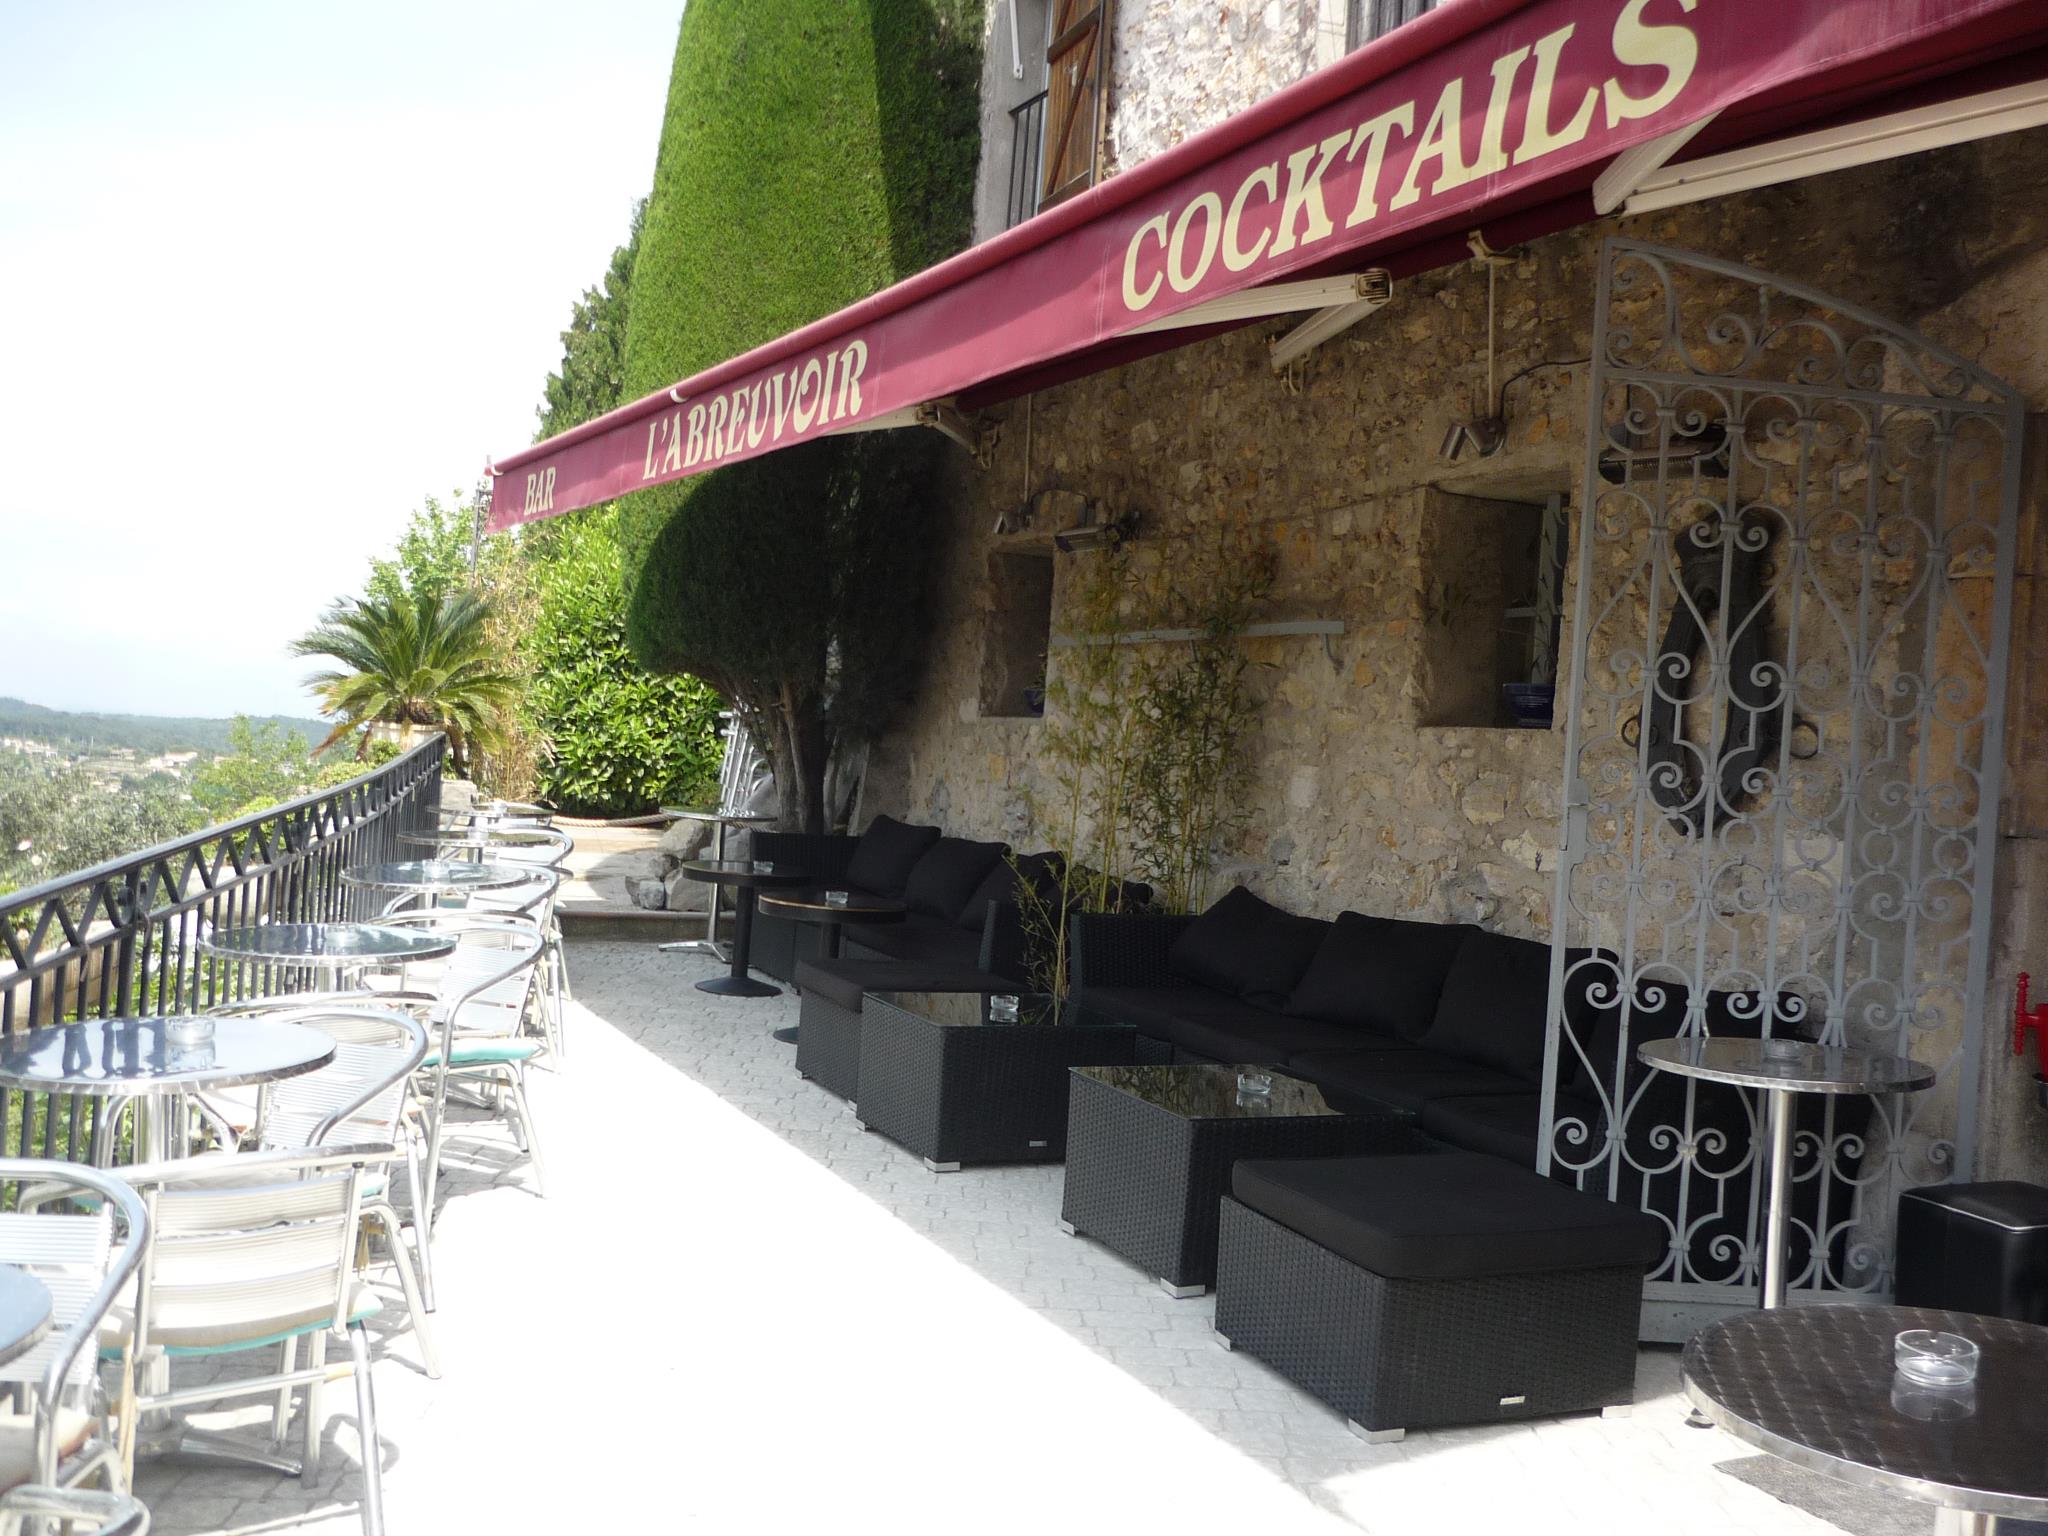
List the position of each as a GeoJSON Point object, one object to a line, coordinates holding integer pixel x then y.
{"type": "Point", "coordinates": [721, 821]}
{"type": "Point", "coordinates": [1782, 1068]}
{"type": "Point", "coordinates": [24, 1312]}
{"type": "Point", "coordinates": [1150, 1149]}
{"type": "Point", "coordinates": [157, 1061]}
{"type": "Point", "coordinates": [743, 878]}
{"type": "Point", "coordinates": [1816, 1385]}
{"type": "Point", "coordinates": [329, 948]}
{"type": "Point", "coordinates": [816, 907]}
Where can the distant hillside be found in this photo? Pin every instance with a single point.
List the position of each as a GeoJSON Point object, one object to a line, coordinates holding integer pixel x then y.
{"type": "Point", "coordinates": [149, 734]}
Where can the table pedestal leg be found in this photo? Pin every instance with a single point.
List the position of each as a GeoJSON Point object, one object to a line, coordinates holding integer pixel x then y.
{"type": "Point", "coordinates": [1779, 1105]}
{"type": "Point", "coordinates": [739, 983]}
{"type": "Point", "coordinates": [1964, 1522]}
{"type": "Point", "coordinates": [709, 944]}
{"type": "Point", "coordinates": [830, 945]}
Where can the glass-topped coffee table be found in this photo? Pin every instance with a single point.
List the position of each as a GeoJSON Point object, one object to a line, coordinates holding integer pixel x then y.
{"type": "Point", "coordinates": [954, 1085]}
{"type": "Point", "coordinates": [1149, 1152]}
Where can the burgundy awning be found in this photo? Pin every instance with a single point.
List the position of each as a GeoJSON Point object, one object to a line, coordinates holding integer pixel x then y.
{"type": "Point", "coordinates": [1494, 115]}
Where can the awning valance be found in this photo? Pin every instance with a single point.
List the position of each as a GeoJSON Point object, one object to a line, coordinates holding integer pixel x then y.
{"type": "Point", "coordinates": [1484, 114]}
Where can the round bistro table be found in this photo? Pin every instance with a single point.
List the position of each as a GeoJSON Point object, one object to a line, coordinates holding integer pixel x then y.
{"type": "Point", "coordinates": [741, 878]}
{"type": "Point", "coordinates": [24, 1312]}
{"type": "Point", "coordinates": [1782, 1068]}
{"type": "Point", "coordinates": [721, 821]}
{"type": "Point", "coordinates": [329, 948]}
{"type": "Point", "coordinates": [812, 907]}
{"type": "Point", "coordinates": [138, 1059]}
{"type": "Point", "coordinates": [435, 877]}
{"type": "Point", "coordinates": [1816, 1386]}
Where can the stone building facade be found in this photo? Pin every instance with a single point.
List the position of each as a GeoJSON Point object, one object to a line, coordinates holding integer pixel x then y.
{"type": "Point", "coordinates": [1381, 783]}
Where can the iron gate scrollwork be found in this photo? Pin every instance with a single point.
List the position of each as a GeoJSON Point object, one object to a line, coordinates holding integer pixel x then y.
{"type": "Point", "coordinates": [1793, 589]}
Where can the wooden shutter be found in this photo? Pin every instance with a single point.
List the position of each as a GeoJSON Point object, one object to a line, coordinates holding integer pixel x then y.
{"type": "Point", "coordinates": [1077, 83]}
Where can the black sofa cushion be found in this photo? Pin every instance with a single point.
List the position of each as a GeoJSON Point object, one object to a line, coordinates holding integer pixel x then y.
{"type": "Point", "coordinates": [946, 875]}
{"type": "Point", "coordinates": [1505, 1125]}
{"type": "Point", "coordinates": [1403, 1078]}
{"type": "Point", "coordinates": [1382, 974]}
{"type": "Point", "coordinates": [1494, 1000]}
{"type": "Point", "coordinates": [917, 937]}
{"type": "Point", "coordinates": [1248, 948]}
{"type": "Point", "coordinates": [1041, 870]}
{"type": "Point", "coordinates": [1206, 1023]}
{"type": "Point", "coordinates": [1452, 1215]}
{"type": "Point", "coordinates": [843, 981]}
{"type": "Point", "coordinates": [887, 851]}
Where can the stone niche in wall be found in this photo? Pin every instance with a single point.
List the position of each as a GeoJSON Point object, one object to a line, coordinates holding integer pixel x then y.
{"type": "Point", "coordinates": [1016, 634]}
{"type": "Point", "coordinates": [1491, 586]}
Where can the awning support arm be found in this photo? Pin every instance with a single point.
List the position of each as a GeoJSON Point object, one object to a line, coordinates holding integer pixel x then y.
{"type": "Point", "coordinates": [1632, 167]}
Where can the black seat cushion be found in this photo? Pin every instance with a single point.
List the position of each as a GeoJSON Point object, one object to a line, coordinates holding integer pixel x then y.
{"type": "Point", "coordinates": [917, 937]}
{"type": "Point", "coordinates": [1494, 1003]}
{"type": "Point", "coordinates": [1206, 1023]}
{"type": "Point", "coordinates": [946, 875]}
{"type": "Point", "coordinates": [843, 981]}
{"type": "Point", "coordinates": [886, 853]}
{"type": "Point", "coordinates": [1248, 948]}
{"type": "Point", "coordinates": [1403, 1077]}
{"type": "Point", "coordinates": [1506, 1124]}
{"type": "Point", "coordinates": [1452, 1215]}
{"type": "Point", "coordinates": [1039, 870]}
{"type": "Point", "coordinates": [1380, 973]}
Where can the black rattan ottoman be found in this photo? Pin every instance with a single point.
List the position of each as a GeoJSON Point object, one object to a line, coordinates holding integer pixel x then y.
{"type": "Point", "coordinates": [1409, 1292]}
{"type": "Point", "coordinates": [1150, 1148]}
{"type": "Point", "coordinates": [828, 1037]}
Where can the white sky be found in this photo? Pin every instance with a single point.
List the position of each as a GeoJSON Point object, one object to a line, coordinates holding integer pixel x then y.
{"type": "Point", "coordinates": [270, 274]}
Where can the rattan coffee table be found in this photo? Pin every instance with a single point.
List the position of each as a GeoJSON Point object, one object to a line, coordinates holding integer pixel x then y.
{"type": "Point", "coordinates": [1149, 1152]}
{"type": "Point", "coordinates": [938, 1075]}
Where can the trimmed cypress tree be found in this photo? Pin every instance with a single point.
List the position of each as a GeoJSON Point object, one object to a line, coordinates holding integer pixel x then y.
{"type": "Point", "coordinates": [813, 152]}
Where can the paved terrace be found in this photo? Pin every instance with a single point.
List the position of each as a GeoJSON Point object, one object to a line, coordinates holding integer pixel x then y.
{"type": "Point", "coordinates": [735, 1312]}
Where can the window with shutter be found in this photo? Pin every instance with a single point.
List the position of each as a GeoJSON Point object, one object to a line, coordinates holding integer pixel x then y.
{"type": "Point", "coordinates": [1077, 82]}
{"type": "Point", "coordinates": [1376, 18]}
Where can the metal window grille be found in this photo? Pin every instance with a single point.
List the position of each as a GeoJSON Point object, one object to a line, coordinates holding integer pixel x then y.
{"type": "Point", "coordinates": [1027, 146]}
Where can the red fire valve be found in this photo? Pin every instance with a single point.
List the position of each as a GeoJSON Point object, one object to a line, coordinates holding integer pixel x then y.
{"type": "Point", "coordinates": [2024, 1019]}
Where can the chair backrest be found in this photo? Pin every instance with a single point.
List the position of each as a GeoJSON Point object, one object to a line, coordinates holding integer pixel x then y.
{"type": "Point", "coordinates": [359, 1095]}
{"type": "Point", "coordinates": [743, 768]}
{"type": "Point", "coordinates": [546, 847]}
{"type": "Point", "coordinates": [249, 1246]}
{"type": "Point", "coordinates": [85, 1257]}
{"type": "Point", "coordinates": [535, 898]}
{"type": "Point", "coordinates": [485, 985]}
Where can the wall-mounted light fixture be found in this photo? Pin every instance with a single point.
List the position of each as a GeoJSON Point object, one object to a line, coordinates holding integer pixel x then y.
{"type": "Point", "coordinates": [1482, 437]}
{"type": "Point", "coordinates": [1094, 531]}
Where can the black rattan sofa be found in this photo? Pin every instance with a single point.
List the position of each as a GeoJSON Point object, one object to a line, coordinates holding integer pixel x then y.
{"type": "Point", "coordinates": [1443, 1024]}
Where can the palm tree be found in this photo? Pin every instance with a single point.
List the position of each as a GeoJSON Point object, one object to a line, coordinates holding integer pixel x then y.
{"type": "Point", "coordinates": [417, 659]}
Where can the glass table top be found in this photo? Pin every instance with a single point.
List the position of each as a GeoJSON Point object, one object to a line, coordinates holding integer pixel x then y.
{"type": "Point", "coordinates": [714, 813]}
{"type": "Point", "coordinates": [1211, 1093]}
{"type": "Point", "coordinates": [970, 1010]}
{"type": "Point", "coordinates": [481, 837]}
{"type": "Point", "coordinates": [745, 872]}
{"type": "Point", "coordinates": [329, 942]}
{"type": "Point", "coordinates": [859, 907]}
{"type": "Point", "coordinates": [135, 1055]}
{"type": "Point", "coordinates": [435, 875]}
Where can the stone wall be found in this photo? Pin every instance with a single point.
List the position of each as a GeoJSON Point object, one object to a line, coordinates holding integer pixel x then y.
{"type": "Point", "coordinates": [1177, 68]}
{"type": "Point", "coordinates": [1360, 805]}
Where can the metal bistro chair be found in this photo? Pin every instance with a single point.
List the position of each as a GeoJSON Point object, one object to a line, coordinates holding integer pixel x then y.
{"type": "Point", "coordinates": [248, 1251]}
{"type": "Point", "coordinates": [536, 900]}
{"type": "Point", "coordinates": [360, 1098]}
{"type": "Point", "coordinates": [743, 773]}
{"type": "Point", "coordinates": [484, 994]}
{"type": "Point", "coordinates": [35, 1510]}
{"type": "Point", "coordinates": [59, 1434]}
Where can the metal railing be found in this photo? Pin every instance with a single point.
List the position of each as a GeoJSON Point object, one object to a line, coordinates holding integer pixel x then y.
{"type": "Point", "coordinates": [1027, 147]}
{"type": "Point", "coordinates": [119, 939]}
{"type": "Point", "coordinates": [1376, 18]}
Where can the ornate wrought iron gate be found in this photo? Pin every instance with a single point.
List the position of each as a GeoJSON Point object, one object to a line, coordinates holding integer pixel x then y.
{"type": "Point", "coordinates": [1783, 739]}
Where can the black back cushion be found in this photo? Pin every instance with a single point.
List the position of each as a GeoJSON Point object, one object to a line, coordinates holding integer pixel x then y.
{"type": "Point", "coordinates": [887, 851]}
{"type": "Point", "coordinates": [1383, 974]}
{"type": "Point", "coordinates": [941, 881]}
{"type": "Point", "coordinates": [1492, 1008]}
{"type": "Point", "coordinates": [1247, 947]}
{"type": "Point", "coordinates": [1000, 884]}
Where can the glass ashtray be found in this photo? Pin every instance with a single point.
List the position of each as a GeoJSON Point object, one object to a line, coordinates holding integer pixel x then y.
{"type": "Point", "coordinates": [764, 866]}
{"type": "Point", "coordinates": [837, 898]}
{"type": "Point", "coordinates": [1254, 1084]}
{"type": "Point", "coordinates": [189, 1029]}
{"type": "Point", "coordinates": [1935, 1359]}
{"type": "Point", "coordinates": [1002, 1008]}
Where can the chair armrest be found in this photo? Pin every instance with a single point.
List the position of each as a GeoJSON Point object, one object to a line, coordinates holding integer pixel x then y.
{"type": "Point", "coordinates": [1122, 949]}
{"type": "Point", "coordinates": [822, 855]}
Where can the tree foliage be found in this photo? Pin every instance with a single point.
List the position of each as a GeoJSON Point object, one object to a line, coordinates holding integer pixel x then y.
{"type": "Point", "coordinates": [621, 739]}
{"type": "Point", "coordinates": [592, 377]}
{"type": "Point", "coordinates": [810, 156]}
{"type": "Point", "coordinates": [421, 659]}
{"type": "Point", "coordinates": [56, 818]}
